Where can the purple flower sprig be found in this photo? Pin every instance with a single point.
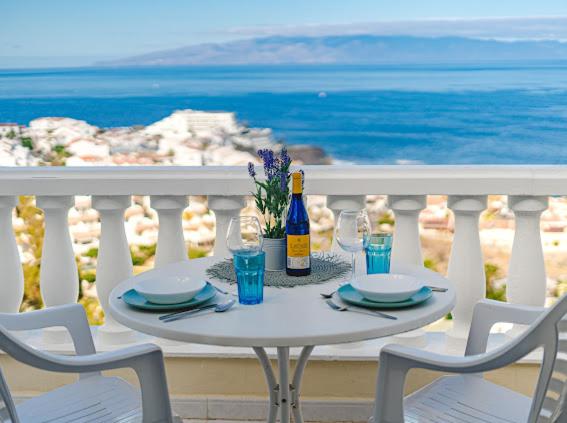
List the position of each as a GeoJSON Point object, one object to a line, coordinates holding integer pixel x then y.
{"type": "Point", "coordinates": [272, 194]}
{"type": "Point", "coordinates": [251, 170]}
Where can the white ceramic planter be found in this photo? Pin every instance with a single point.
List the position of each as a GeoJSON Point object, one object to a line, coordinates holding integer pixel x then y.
{"type": "Point", "coordinates": [275, 253]}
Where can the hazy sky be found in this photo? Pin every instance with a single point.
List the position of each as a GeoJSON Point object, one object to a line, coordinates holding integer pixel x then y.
{"type": "Point", "coordinates": [78, 32]}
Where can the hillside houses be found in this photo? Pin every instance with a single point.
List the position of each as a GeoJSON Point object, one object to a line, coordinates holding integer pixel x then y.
{"type": "Point", "coordinates": [186, 137]}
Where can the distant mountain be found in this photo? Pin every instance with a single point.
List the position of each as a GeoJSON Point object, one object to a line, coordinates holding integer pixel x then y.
{"type": "Point", "coordinates": [350, 49]}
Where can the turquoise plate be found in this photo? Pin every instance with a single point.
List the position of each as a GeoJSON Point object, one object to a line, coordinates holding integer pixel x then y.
{"type": "Point", "coordinates": [352, 296]}
{"type": "Point", "coordinates": [134, 299]}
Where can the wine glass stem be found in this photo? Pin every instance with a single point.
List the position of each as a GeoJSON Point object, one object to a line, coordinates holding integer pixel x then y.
{"type": "Point", "coordinates": [353, 267]}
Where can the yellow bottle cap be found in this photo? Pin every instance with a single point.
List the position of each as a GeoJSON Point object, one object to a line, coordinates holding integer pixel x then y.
{"type": "Point", "coordinates": [297, 183]}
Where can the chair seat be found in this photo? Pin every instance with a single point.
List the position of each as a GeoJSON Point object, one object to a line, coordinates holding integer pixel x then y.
{"type": "Point", "coordinates": [465, 399]}
{"type": "Point", "coordinates": [95, 399]}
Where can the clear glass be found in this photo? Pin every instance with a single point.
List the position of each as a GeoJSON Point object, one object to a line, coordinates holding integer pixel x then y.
{"type": "Point", "coordinates": [244, 240]}
{"type": "Point", "coordinates": [244, 234]}
{"type": "Point", "coordinates": [378, 252]}
{"type": "Point", "coordinates": [249, 269]}
{"type": "Point", "coordinates": [352, 233]}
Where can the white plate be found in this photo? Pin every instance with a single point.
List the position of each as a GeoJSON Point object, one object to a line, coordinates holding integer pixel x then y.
{"type": "Point", "coordinates": [387, 287]}
{"type": "Point", "coordinates": [170, 290]}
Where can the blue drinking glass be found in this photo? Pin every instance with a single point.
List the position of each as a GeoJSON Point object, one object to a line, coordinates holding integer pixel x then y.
{"type": "Point", "coordinates": [378, 254]}
{"type": "Point", "coordinates": [249, 269]}
{"type": "Point", "coordinates": [244, 239]}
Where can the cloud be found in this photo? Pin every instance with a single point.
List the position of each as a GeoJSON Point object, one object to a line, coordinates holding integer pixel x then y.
{"type": "Point", "coordinates": [530, 28]}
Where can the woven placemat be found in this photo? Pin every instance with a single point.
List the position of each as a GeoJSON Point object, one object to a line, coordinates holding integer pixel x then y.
{"type": "Point", "coordinates": [324, 267]}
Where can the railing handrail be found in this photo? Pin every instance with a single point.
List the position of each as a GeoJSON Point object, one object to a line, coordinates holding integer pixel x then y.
{"type": "Point", "coordinates": [325, 180]}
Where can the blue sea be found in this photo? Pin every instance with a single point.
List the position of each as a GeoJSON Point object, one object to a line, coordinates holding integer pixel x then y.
{"type": "Point", "coordinates": [433, 114]}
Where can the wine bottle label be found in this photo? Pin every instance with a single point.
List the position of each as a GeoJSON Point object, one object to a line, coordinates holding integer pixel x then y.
{"type": "Point", "coordinates": [298, 251]}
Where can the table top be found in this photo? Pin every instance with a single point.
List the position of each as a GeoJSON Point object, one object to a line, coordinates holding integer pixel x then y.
{"type": "Point", "coordinates": [291, 317]}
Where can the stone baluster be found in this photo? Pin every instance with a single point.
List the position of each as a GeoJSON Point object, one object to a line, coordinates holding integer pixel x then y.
{"type": "Point", "coordinates": [12, 288]}
{"type": "Point", "coordinates": [171, 243]}
{"type": "Point", "coordinates": [526, 274]}
{"type": "Point", "coordinates": [466, 265]}
{"type": "Point", "coordinates": [406, 247]}
{"type": "Point", "coordinates": [114, 263]}
{"type": "Point", "coordinates": [338, 203]}
{"type": "Point", "coordinates": [225, 208]}
{"type": "Point", "coordinates": [59, 280]}
{"type": "Point", "coordinates": [58, 275]}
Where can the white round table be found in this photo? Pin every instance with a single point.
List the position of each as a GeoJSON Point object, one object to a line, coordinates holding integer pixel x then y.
{"type": "Point", "coordinates": [288, 317]}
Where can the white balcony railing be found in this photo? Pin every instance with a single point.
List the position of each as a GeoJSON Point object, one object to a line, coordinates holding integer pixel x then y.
{"type": "Point", "coordinates": [407, 187]}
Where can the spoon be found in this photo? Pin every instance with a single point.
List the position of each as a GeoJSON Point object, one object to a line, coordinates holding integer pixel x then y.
{"type": "Point", "coordinates": [217, 308]}
{"type": "Point", "coordinates": [222, 291]}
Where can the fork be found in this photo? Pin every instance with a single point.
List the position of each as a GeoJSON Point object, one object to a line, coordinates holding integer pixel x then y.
{"type": "Point", "coordinates": [371, 313]}
{"type": "Point", "coordinates": [433, 288]}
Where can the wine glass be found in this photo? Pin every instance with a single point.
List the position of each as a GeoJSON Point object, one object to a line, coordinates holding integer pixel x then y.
{"type": "Point", "coordinates": [353, 233]}
{"type": "Point", "coordinates": [244, 235]}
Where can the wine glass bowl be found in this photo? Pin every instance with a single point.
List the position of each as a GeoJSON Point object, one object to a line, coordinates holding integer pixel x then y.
{"type": "Point", "coordinates": [244, 235]}
{"type": "Point", "coordinates": [352, 233]}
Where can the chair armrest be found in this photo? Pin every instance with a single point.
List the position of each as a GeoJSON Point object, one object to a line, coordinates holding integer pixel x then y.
{"type": "Point", "coordinates": [146, 360]}
{"type": "Point", "coordinates": [489, 312]}
{"type": "Point", "coordinates": [70, 316]}
{"type": "Point", "coordinates": [397, 360]}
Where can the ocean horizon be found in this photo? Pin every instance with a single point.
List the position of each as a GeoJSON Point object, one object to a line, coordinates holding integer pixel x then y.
{"type": "Point", "coordinates": [433, 114]}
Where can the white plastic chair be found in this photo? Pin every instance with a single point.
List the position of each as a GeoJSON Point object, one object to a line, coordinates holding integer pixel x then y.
{"type": "Point", "coordinates": [468, 397]}
{"type": "Point", "coordinates": [94, 397]}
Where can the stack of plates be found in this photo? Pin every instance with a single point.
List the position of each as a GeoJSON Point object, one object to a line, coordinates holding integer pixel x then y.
{"type": "Point", "coordinates": [170, 293]}
{"type": "Point", "coordinates": [385, 291]}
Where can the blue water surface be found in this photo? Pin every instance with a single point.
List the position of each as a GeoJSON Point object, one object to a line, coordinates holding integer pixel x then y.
{"type": "Point", "coordinates": [435, 114]}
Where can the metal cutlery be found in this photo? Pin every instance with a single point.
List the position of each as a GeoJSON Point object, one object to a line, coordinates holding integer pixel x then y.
{"type": "Point", "coordinates": [433, 288]}
{"type": "Point", "coordinates": [222, 291]}
{"type": "Point", "coordinates": [175, 313]}
{"type": "Point", "coordinates": [437, 288]}
{"type": "Point", "coordinates": [217, 308]}
{"type": "Point", "coordinates": [374, 313]}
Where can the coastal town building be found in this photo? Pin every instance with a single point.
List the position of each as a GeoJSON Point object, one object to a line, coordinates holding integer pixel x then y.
{"type": "Point", "coordinates": [9, 129]}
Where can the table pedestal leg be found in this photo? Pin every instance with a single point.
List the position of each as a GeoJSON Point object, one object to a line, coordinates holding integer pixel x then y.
{"type": "Point", "coordinates": [285, 395]}
{"type": "Point", "coordinates": [273, 387]}
{"type": "Point", "coordinates": [283, 367]}
{"type": "Point", "coordinates": [296, 383]}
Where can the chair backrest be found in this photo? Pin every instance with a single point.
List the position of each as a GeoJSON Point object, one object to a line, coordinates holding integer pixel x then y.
{"type": "Point", "coordinates": [554, 407]}
{"type": "Point", "coordinates": [70, 316]}
{"type": "Point", "coordinates": [550, 331]}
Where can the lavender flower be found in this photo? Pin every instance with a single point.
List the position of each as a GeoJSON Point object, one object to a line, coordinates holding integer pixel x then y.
{"type": "Point", "coordinates": [285, 159]}
{"type": "Point", "coordinates": [251, 170]}
{"type": "Point", "coordinates": [283, 181]}
{"type": "Point", "coordinates": [270, 164]}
